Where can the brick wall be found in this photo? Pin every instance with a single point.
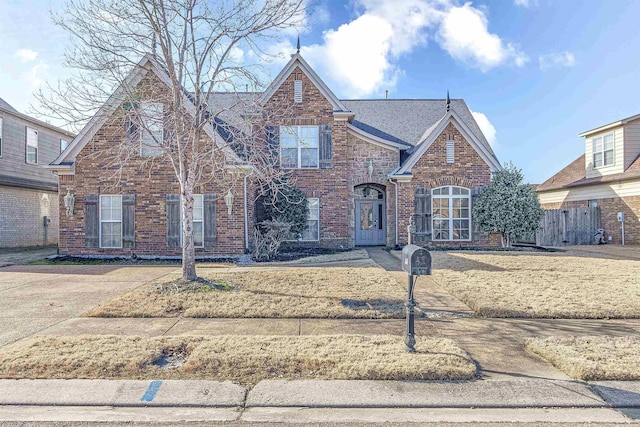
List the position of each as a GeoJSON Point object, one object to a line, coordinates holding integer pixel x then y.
{"type": "Point", "coordinates": [21, 212]}
{"type": "Point", "coordinates": [330, 185]}
{"type": "Point", "coordinates": [609, 209]}
{"type": "Point", "coordinates": [150, 181]}
{"type": "Point", "coordinates": [468, 170]}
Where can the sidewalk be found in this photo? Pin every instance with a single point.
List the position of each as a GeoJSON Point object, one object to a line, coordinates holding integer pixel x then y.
{"type": "Point", "coordinates": [319, 401]}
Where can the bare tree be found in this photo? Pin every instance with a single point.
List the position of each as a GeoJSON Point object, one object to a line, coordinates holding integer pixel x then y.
{"type": "Point", "coordinates": [198, 45]}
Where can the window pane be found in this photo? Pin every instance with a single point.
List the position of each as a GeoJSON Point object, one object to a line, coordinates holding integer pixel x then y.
{"type": "Point", "coordinates": [608, 142]}
{"type": "Point", "coordinates": [597, 159]}
{"type": "Point", "coordinates": [288, 137]}
{"type": "Point", "coordinates": [455, 190]}
{"type": "Point", "coordinates": [464, 203]}
{"type": "Point", "coordinates": [32, 155]}
{"type": "Point", "coordinates": [314, 210]}
{"type": "Point", "coordinates": [309, 157]}
{"type": "Point", "coordinates": [608, 157]}
{"type": "Point", "coordinates": [597, 144]}
{"type": "Point", "coordinates": [366, 216]}
{"type": "Point", "coordinates": [198, 207]}
{"type": "Point", "coordinates": [311, 232]}
{"type": "Point", "coordinates": [289, 158]}
{"type": "Point", "coordinates": [464, 191]}
{"type": "Point", "coordinates": [198, 236]}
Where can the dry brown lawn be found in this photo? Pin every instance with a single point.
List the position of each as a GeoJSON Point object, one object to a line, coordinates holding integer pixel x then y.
{"type": "Point", "coordinates": [329, 292]}
{"type": "Point", "coordinates": [596, 358]}
{"type": "Point", "coordinates": [242, 359]}
{"type": "Point", "coordinates": [543, 285]}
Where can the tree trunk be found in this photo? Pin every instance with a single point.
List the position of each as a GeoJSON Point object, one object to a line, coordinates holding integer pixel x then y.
{"type": "Point", "coordinates": [188, 248]}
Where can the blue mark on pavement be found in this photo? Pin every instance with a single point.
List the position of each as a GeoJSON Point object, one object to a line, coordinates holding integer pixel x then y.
{"type": "Point", "coordinates": [151, 392]}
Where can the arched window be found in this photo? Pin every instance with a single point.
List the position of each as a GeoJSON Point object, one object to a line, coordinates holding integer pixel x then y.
{"type": "Point", "coordinates": [451, 213]}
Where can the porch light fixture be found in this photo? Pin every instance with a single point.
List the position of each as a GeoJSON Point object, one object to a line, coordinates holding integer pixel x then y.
{"type": "Point", "coordinates": [69, 201]}
{"type": "Point", "coordinates": [228, 200]}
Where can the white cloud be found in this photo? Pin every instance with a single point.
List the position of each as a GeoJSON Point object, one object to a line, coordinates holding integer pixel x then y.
{"type": "Point", "coordinates": [360, 57]}
{"type": "Point", "coordinates": [465, 36]}
{"type": "Point", "coordinates": [486, 127]}
{"type": "Point", "coordinates": [556, 59]}
{"type": "Point", "coordinates": [37, 74]}
{"type": "Point", "coordinates": [26, 55]}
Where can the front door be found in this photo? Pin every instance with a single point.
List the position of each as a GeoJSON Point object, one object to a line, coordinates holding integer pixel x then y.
{"type": "Point", "coordinates": [370, 222]}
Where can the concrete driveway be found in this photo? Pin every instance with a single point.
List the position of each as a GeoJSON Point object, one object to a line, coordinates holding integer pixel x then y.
{"type": "Point", "coordinates": [35, 297]}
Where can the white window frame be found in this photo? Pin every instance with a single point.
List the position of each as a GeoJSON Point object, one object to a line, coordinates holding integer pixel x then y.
{"type": "Point", "coordinates": [300, 146]}
{"type": "Point", "coordinates": [30, 144]}
{"type": "Point", "coordinates": [310, 218]}
{"type": "Point", "coordinates": [152, 129]}
{"type": "Point", "coordinates": [111, 196]}
{"type": "Point", "coordinates": [201, 220]}
{"type": "Point", "coordinates": [602, 151]}
{"type": "Point", "coordinates": [450, 196]}
{"type": "Point", "coordinates": [65, 143]}
{"type": "Point", "coordinates": [1, 136]}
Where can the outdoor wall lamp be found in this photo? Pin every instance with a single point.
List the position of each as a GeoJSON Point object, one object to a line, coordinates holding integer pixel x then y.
{"type": "Point", "coordinates": [228, 200]}
{"type": "Point", "coordinates": [69, 201]}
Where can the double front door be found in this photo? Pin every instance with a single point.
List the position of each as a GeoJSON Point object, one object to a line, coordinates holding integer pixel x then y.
{"type": "Point", "coordinates": [370, 222]}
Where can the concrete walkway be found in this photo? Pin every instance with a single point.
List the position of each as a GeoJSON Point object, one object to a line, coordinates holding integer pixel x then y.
{"type": "Point", "coordinates": [25, 255]}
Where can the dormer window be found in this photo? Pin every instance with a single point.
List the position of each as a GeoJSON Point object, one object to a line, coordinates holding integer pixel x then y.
{"type": "Point", "coordinates": [297, 91]}
{"type": "Point", "coordinates": [603, 150]}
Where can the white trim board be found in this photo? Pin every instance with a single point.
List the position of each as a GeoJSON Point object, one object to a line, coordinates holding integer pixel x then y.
{"type": "Point", "coordinates": [454, 118]}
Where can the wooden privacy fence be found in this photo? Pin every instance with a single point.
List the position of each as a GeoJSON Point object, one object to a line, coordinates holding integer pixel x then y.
{"type": "Point", "coordinates": [572, 226]}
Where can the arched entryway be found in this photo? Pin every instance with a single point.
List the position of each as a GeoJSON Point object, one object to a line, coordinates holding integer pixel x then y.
{"type": "Point", "coordinates": [370, 215]}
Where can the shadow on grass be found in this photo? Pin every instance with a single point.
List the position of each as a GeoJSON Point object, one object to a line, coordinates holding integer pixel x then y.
{"type": "Point", "coordinates": [381, 305]}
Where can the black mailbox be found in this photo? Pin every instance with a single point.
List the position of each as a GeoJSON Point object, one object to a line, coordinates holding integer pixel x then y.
{"type": "Point", "coordinates": [416, 261]}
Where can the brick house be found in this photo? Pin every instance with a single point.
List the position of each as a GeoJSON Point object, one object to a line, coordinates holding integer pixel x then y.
{"type": "Point", "coordinates": [367, 167]}
{"type": "Point", "coordinates": [606, 176]}
{"type": "Point", "coordinates": [28, 192]}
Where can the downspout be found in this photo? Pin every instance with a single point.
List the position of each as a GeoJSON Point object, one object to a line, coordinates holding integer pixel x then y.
{"type": "Point", "coordinates": [395, 183]}
{"type": "Point", "coordinates": [246, 216]}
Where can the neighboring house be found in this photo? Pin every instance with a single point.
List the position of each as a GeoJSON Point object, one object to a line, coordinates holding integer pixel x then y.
{"type": "Point", "coordinates": [28, 192]}
{"type": "Point", "coordinates": [367, 167]}
{"type": "Point", "coordinates": [607, 175]}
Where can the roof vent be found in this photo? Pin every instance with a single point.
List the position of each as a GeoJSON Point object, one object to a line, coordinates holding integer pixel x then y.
{"type": "Point", "coordinates": [449, 151]}
{"type": "Point", "coordinates": [297, 91]}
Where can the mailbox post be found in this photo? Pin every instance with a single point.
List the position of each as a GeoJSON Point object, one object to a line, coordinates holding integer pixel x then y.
{"type": "Point", "coordinates": [416, 261]}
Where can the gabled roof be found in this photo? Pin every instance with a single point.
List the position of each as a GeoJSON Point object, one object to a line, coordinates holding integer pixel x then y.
{"type": "Point", "coordinates": [610, 125]}
{"type": "Point", "coordinates": [408, 120]}
{"type": "Point", "coordinates": [451, 116]}
{"type": "Point", "coordinates": [574, 175]}
{"type": "Point", "coordinates": [298, 61]}
{"type": "Point", "coordinates": [145, 65]}
{"type": "Point", "coordinates": [6, 106]}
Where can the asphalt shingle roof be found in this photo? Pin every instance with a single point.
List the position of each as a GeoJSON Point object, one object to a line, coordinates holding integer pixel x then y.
{"type": "Point", "coordinates": [5, 105]}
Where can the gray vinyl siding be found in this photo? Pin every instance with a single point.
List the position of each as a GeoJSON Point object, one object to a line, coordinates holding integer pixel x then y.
{"type": "Point", "coordinates": [12, 162]}
{"type": "Point", "coordinates": [631, 142]}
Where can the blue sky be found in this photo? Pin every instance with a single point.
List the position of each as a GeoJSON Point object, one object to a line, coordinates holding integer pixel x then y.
{"type": "Point", "coordinates": [538, 71]}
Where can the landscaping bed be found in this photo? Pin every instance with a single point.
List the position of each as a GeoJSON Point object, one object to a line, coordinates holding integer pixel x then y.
{"type": "Point", "coordinates": [330, 292]}
{"type": "Point", "coordinates": [592, 358]}
{"type": "Point", "coordinates": [242, 359]}
{"type": "Point", "coordinates": [541, 285]}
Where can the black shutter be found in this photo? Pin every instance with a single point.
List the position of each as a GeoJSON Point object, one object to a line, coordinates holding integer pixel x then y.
{"type": "Point", "coordinates": [326, 149]}
{"type": "Point", "coordinates": [476, 231]}
{"type": "Point", "coordinates": [128, 221]}
{"type": "Point", "coordinates": [209, 204]}
{"type": "Point", "coordinates": [91, 221]}
{"type": "Point", "coordinates": [272, 134]}
{"type": "Point", "coordinates": [422, 215]}
{"type": "Point", "coordinates": [173, 220]}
